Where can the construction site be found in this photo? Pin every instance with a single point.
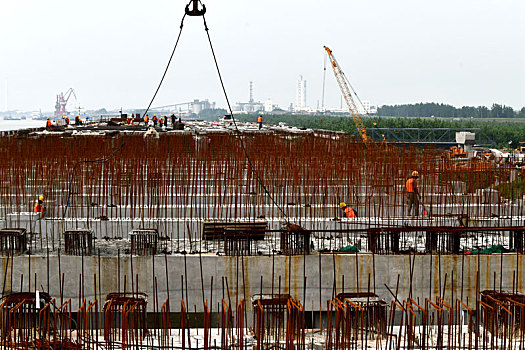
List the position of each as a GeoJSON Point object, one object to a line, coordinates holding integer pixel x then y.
{"type": "Point", "coordinates": [230, 236]}
{"type": "Point", "coordinates": [125, 234]}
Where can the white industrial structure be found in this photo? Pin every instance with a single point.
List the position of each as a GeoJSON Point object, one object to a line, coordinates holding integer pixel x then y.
{"type": "Point", "coordinates": [300, 101]}
{"type": "Point", "coordinates": [268, 105]}
{"type": "Point", "coordinates": [249, 107]}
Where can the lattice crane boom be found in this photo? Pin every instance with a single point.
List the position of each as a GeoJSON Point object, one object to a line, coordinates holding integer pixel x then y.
{"type": "Point", "coordinates": [62, 99]}
{"type": "Point", "coordinates": [345, 90]}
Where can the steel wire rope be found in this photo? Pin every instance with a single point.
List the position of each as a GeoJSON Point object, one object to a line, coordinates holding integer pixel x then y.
{"type": "Point", "coordinates": [123, 143]}
{"type": "Point", "coordinates": [239, 134]}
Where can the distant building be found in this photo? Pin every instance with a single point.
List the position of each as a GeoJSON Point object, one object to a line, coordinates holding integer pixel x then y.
{"type": "Point", "coordinates": [268, 106]}
{"type": "Point", "coordinates": [300, 100]}
{"type": "Point", "coordinates": [197, 106]}
{"type": "Point", "coordinates": [367, 108]}
{"type": "Point", "coordinates": [249, 107]}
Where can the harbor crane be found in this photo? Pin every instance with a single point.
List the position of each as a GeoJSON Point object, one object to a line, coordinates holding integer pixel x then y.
{"type": "Point", "coordinates": [345, 90]}
{"type": "Point", "coordinates": [62, 98]}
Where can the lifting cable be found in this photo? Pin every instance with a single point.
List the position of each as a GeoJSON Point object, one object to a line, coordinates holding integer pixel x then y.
{"type": "Point", "coordinates": [124, 140]}
{"type": "Point", "coordinates": [193, 12]}
{"type": "Point", "coordinates": [239, 133]}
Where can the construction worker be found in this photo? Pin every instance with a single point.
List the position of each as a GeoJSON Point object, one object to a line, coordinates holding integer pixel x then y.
{"type": "Point", "coordinates": [155, 119]}
{"type": "Point", "coordinates": [48, 124]}
{"type": "Point", "coordinates": [349, 211]}
{"type": "Point", "coordinates": [413, 194]}
{"type": "Point", "coordinates": [67, 120]}
{"type": "Point", "coordinates": [172, 119]}
{"type": "Point", "coordinates": [259, 120]}
{"type": "Point", "coordinates": [39, 207]}
{"type": "Point", "coordinates": [146, 119]}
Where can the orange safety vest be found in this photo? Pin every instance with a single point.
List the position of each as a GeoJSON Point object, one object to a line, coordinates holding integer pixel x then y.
{"type": "Point", "coordinates": [350, 213]}
{"type": "Point", "coordinates": [411, 185]}
{"type": "Point", "coordinates": [146, 119]}
{"type": "Point", "coordinates": [259, 120]}
{"type": "Point", "coordinates": [67, 120]}
{"type": "Point", "coordinates": [48, 122]}
{"type": "Point", "coordinates": [38, 207]}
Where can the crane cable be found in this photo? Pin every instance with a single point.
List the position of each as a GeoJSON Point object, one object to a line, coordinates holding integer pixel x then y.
{"type": "Point", "coordinates": [101, 160]}
{"type": "Point", "coordinates": [239, 133]}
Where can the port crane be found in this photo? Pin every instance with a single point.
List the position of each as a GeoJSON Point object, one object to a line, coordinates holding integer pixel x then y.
{"type": "Point", "coordinates": [345, 90]}
{"type": "Point", "coordinates": [62, 98]}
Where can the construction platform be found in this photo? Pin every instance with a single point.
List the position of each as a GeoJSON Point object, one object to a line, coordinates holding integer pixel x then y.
{"type": "Point", "coordinates": [200, 219]}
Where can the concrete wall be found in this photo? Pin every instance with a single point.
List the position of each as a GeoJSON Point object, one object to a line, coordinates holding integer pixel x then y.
{"type": "Point", "coordinates": [242, 277]}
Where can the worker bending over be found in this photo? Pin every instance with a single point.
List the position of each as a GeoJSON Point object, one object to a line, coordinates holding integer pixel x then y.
{"type": "Point", "coordinates": [413, 194]}
{"type": "Point", "coordinates": [349, 211]}
{"type": "Point", "coordinates": [39, 205]}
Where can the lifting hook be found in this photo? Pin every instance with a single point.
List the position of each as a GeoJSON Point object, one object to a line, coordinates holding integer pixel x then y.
{"type": "Point", "coordinates": [195, 10]}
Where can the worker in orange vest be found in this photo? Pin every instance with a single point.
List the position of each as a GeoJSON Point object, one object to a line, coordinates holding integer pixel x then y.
{"type": "Point", "coordinates": [155, 119]}
{"type": "Point", "coordinates": [349, 211]}
{"type": "Point", "coordinates": [146, 119]}
{"type": "Point", "coordinates": [39, 207]}
{"type": "Point", "coordinates": [260, 122]}
{"type": "Point", "coordinates": [413, 194]}
{"type": "Point", "coordinates": [67, 120]}
{"type": "Point", "coordinates": [48, 124]}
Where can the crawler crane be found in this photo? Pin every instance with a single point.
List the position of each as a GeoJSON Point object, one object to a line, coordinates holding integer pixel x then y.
{"type": "Point", "coordinates": [345, 90]}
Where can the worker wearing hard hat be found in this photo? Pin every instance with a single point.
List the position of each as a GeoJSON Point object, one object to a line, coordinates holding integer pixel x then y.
{"type": "Point", "coordinates": [413, 194]}
{"type": "Point", "coordinates": [349, 211]}
{"type": "Point", "coordinates": [39, 205]}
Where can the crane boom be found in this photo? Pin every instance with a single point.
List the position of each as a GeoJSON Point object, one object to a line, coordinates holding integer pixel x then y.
{"type": "Point", "coordinates": [62, 99]}
{"type": "Point", "coordinates": [345, 90]}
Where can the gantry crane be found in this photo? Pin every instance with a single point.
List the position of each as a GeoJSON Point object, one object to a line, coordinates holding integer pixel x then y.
{"type": "Point", "coordinates": [62, 98]}
{"type": "Point", "coordinates": [345, 90]}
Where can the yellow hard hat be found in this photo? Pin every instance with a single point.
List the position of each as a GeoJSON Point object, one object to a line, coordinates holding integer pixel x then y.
{"type": "Point", "coordinates": [415, 173]}
{"type": "Point", "coordinates": [342, 205]}
{"type": "Point", "coordinates": [41, 198]}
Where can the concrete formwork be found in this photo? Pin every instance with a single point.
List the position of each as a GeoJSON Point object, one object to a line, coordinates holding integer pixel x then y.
{"type": "Point", "coordinates": [323, 275]}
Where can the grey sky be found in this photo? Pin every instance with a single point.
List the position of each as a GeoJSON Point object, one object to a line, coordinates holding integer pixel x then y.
{"type": "Point", "coordinates": [113, 52]}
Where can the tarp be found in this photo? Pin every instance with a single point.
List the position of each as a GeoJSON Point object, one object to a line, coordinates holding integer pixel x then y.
{"type": "Point", "coordinates": [350, 248]}
{"type": "Point", "coordinates": [490, 250]}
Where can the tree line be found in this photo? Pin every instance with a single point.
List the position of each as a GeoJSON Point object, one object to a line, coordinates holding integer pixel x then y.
{"type": "Point", "coordinates": [441, 110]}
{"type": "Point", "coordinates": [501, 133]}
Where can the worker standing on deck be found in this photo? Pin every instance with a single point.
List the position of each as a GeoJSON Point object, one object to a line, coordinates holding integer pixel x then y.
{"type": "Point", "coordinates": [155, 119]}
{"type": "Point", "coordinates": [172, 119]}
{"type": "Point", "coordinates": [146, 119]}
{"type": "Point", "coordinates": [67, 120]}
{"type": "Point", "coordinates": [413, 194]}
{"type": "Point", "coordinates": [349, 211]}
{"type": "Point", "coordinates": [48, 124]}
{"type": "Point", "coordinates": [39, 205]}
{"type": "Point", "coordinates": [260, 122]}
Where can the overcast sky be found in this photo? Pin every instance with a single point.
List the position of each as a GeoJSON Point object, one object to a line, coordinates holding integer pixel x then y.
{"type": "Point", "coordinates": [113, 52]}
